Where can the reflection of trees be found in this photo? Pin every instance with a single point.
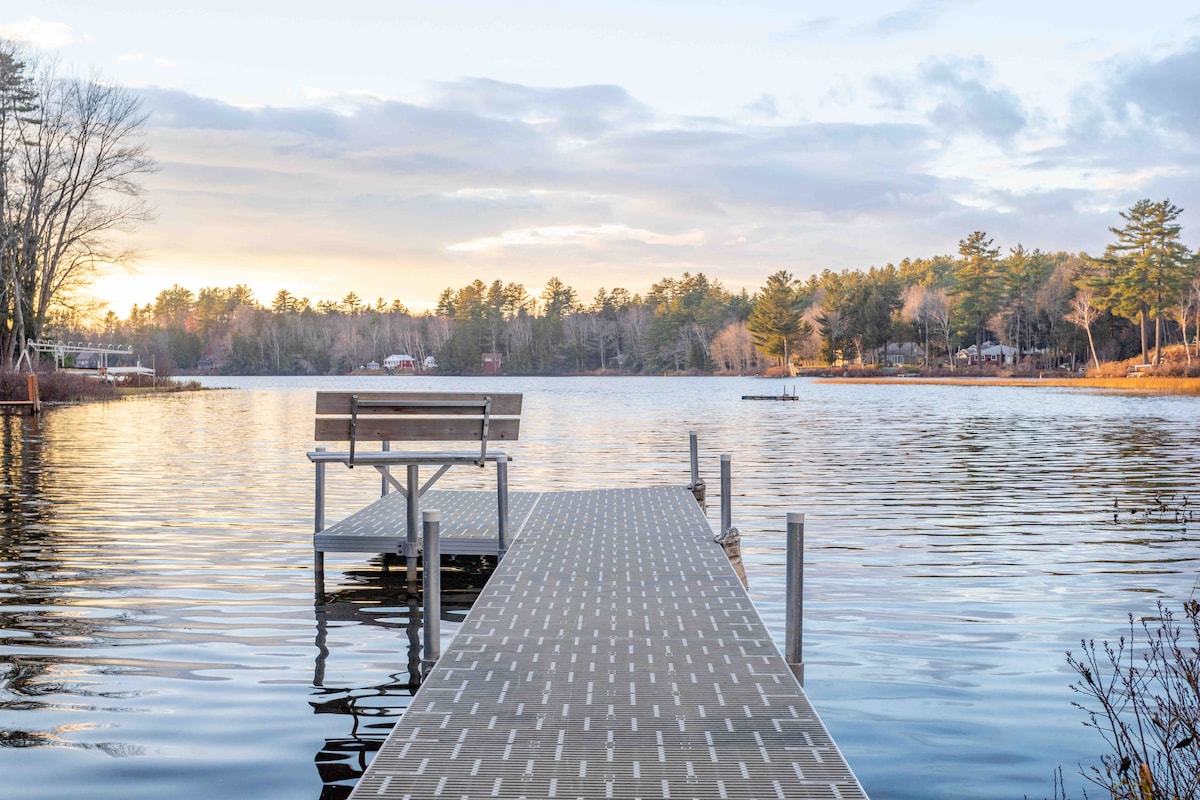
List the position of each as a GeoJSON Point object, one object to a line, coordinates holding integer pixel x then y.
{"type": "Point", "coordinates": [381, 599]}
{"type": "Point", "coordinates": [30, 580]}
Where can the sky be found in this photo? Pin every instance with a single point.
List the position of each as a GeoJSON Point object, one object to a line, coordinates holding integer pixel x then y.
{"type": "Point", "coordinates": [395, 148]}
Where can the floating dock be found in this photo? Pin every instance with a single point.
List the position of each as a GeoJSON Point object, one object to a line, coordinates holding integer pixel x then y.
{"type": "Point", "coordinates": [785, 395]}
{"type": "Point", "coordinates": [613, 654]}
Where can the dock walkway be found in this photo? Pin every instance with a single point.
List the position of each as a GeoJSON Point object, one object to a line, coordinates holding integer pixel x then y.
{"type": "Point", "coordinates": [613, 654]}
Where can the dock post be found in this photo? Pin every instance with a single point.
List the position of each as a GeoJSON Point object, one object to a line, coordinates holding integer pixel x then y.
{"type": "Point", "coordinates": [794, 625]}
{"type": "Point", "coordinates": [726, 488]}
{"type": "Point", "coordinates": [502, 505]}
{"type": "Point", "coordinates": [432, 615]}
{"type": "Point", "coordinates": [318, 526]}
{"type": "Point", "coordinates": [696, 486]}
{"type": "Point", "coordinates": [414, 523]}
{"type": "Point", "coordinates": [694, 450]}
{"type": "Point", "coordinates": [385, 470]}
{"type": "Point", "coordinates": [35, 397]}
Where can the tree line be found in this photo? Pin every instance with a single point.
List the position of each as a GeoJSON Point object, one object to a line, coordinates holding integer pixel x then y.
{"type": "Point", "coordinates": [1052, 310]}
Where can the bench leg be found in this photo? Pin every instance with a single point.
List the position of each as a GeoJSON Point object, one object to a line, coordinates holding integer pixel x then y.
{"type": "Point", "coordinates": [502, 505]}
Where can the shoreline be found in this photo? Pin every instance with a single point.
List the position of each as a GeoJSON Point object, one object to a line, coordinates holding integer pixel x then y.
{"type": "Point", "coordinates": [1141, 384]}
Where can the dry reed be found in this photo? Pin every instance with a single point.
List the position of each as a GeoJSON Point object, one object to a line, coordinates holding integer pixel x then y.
{"type": "Point", "coordinates": [1139, 385]}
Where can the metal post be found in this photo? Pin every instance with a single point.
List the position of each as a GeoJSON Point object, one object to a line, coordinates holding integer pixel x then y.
{"type": "Point", "coordinates": [695, 454]}
{"type": "Point", "coordinates": [502, 504]}
{"type": "Point", "coordinates": [318, 526]}
{"type": "Point", "coordinates": [319, 496]}
{"type": "Point", "coordinates": [386, 487]}
{"type": "Point", "coordinates": [414, 521]}
{"type": "Point", "coordinates": [432, 615]}
{"type": "Point", "coordinates": [794, 625]}
{"type": "Point", "coordinates": [726, 500]}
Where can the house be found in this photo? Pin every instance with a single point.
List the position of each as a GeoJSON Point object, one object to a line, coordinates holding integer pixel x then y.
{"type": "Point", "coordinates": [400, 361]}
{"type": "Point", "coordinates": [992, 354]}
{"type": "Point", "coordinates": [87, 361]}
{"type": "Point", "coordinates": [430, 362]}
{"type": "Point", "coordinates": [491, 363]}
{"type": "Point", "coordinates": [372, 364]}
{"type": "Point", "coordinates": [901, 354]}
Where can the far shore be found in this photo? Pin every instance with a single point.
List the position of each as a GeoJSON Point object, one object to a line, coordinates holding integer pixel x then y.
{"type": "Point", "coordinates": [1142, 384]}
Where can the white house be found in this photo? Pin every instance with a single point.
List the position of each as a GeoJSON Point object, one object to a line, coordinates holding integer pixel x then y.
{"type": "Point", "coordinates": [400, 361]}
{"type": "Point", "coordinates": [992, 354]}
{"type": "Point", "coordinates": [430, 362]}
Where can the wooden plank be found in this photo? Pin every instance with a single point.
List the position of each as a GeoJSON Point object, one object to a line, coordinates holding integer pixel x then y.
{"type": "Point", "coordinates": [339, 402]}
{"type": "Point", "coordinates": [415, 429]}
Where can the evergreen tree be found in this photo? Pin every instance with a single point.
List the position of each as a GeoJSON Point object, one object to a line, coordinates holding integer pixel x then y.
{"type": "Point", "coordinates": [1146, 268]}
{"type": "Point", "coordinates": [777, 317]}
{"type": "Point", "coordinates": [978, 283]}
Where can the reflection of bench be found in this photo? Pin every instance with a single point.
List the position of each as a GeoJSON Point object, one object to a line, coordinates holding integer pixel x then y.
{"type": "Point", "coordinates": [355, 418]}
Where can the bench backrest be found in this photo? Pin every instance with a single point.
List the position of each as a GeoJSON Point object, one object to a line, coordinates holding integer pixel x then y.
{"type": "Point", "coordinates": [417, 417]}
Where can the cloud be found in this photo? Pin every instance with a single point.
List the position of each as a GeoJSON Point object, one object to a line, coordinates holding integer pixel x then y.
{"type": "Point", "coordinates": [813, 28]}
{"type": "Point", "coordinates": [916, 16]}
{"type": "Point", "coordinates": [584, 235]}
{"type": "Point", "coordinates": [490, 179]}
{"type": "Point", "coordinates": [1136, 127]}
{"type": "Point", "coordinates": [1166, 91]}
{"type": "Point", "coordinates": [41, 33]}
{"type": "Point", "coordinates": [579, 110]}
{"type": "Point", "coordinates": [765, 106]}
{"type": "Point", "coordinates": [957, 99]}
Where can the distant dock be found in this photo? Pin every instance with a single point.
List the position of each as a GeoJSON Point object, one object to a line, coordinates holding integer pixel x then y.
{"type": "Point", "coordinates": [785, 395]}
{"type": "Point", "coordinates": [613, 654]}
{"type": "Point", "coordinates": [33, 405]}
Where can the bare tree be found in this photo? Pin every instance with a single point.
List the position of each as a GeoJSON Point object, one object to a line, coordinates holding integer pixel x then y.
{"type": "Point", "coordinates": [72, 180]}
{"type": "Point", "coordinates": [1083, 313]}
{"type": "Point", "coordinates": [1182, 312]}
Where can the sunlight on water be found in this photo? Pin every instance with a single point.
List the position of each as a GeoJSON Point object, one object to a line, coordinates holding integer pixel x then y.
{"type": "Point", "coordinates": [158, 636]}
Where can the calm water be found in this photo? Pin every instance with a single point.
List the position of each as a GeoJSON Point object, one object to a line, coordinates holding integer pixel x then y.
{"type": "Point", "coordinates": [158, 636]}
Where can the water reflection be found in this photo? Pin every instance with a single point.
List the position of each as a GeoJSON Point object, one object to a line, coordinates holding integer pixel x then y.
{"type": "Point", "coordinates": [382, 598]}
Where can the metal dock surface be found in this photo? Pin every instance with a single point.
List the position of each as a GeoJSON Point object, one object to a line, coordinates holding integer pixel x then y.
{"type": "Point", "coordinates": [469, 523]}
{"type": "Point", "coordinates": [613, 654]}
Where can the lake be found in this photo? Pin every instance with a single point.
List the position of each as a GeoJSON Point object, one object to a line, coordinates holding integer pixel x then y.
{"type": "Point", "coordinates": [158, 635]}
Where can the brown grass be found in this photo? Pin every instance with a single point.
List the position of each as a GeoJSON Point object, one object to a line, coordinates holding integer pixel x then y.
{"type": "Point", "coordinates": [1146, 384]}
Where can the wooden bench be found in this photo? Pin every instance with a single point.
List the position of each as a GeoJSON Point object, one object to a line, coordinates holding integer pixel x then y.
{"type": "Point", "coordinates": [357, 418]}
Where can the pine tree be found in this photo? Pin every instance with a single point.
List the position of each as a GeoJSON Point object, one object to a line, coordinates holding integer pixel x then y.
{"type": "Point", "coordinates": [978, 284]}
{"type": "Point", "coordinates": [777, 317]}
{"type": "Point", "coordinates": [1146, 268]}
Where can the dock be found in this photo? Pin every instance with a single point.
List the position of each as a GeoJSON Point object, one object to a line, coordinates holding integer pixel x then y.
{"type": "Point", "coordinates": [614, 653]}
{"type": "Point", "coordinates": [31, 406]}
{"type": "Point", "coordinates": [784, 395]}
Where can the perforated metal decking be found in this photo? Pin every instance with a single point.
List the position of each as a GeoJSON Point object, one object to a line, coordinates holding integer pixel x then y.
{"type": "Point", "coordinates": [613, 654]}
